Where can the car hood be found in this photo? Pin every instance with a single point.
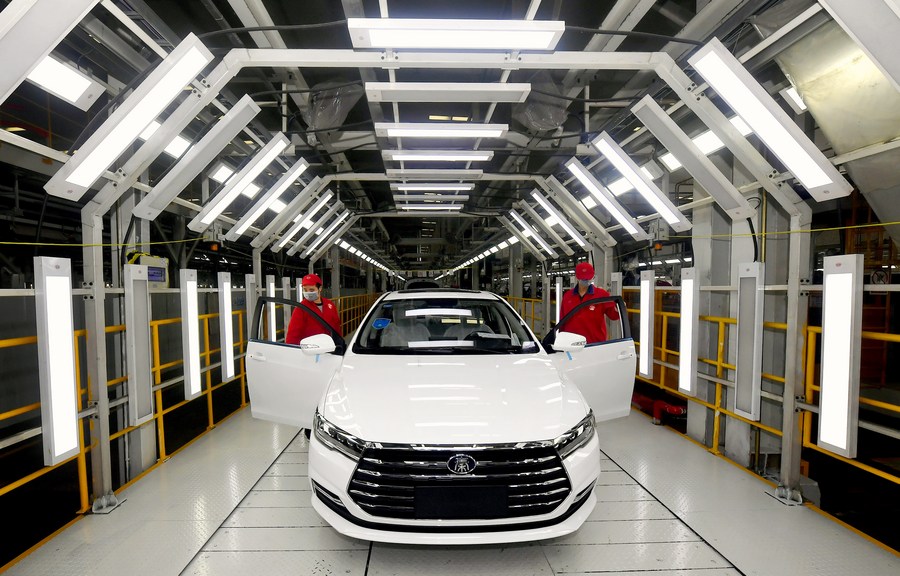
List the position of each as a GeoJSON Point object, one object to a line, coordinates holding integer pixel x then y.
{"type": "Point", "coordinates": [452, 399]}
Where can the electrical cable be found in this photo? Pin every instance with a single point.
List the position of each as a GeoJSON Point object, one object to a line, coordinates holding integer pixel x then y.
{"type": "Point", "coordinates": [306, 91]}
{"type": "Point", "coordinates": [278, 28]}
{"type": "Point", "coordinates": [588, 100]}
{"type": "Point", "coordinates": [634, 34]}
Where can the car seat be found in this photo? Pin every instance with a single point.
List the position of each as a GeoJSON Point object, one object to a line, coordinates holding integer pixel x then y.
{"type": "Point", "coordinates": [463, 329]}
{"type": "Point", "coordinates": [404, 330]}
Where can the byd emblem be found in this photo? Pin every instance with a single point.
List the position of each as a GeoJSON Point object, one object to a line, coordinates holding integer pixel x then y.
{"type": "Point", "coordinates": [461, 464]}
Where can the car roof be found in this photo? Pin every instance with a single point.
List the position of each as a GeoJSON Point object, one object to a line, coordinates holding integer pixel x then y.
{"type": "Point", "coordinates": [440, 293]}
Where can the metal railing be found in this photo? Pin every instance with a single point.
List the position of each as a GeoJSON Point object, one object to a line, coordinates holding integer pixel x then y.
{"type": "Point", "coordinates": [352, 309]}
{"type": "Point", "coordinates": [530, 309]}
{"type": "Point", "coordinates": [662, 355]}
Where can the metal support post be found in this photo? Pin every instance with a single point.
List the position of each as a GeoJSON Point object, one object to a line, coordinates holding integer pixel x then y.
{"type": "Point", "coordinates": [545, 298]}
{"type": "Point", "coordinates": [515, 271]}
{"type": "Point", "coordinates": [250, 296]}
{"type": "Point", "coordinates": [334, 254]}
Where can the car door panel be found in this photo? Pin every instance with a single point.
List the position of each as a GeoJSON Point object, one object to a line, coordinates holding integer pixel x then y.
{"type": "Point", "coordinates": [603, 371]}
{"type": "Point", "coordinates": [286, 384]}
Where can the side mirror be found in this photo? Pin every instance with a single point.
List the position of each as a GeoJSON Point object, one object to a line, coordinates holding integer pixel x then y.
{"type": "Point", "coordinates": [318, 344]}
{"type": "Point", "coordinates": [569, 342]}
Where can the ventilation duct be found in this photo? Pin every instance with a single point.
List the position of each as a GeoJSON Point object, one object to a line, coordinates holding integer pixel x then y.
{"type": "Point", "coordinates": [544, 108]}
{"type": "Point", "coordinates": [329, 104]}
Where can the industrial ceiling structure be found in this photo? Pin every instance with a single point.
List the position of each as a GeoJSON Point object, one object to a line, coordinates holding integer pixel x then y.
{"type": "Point", "coordinates": [562, 137]}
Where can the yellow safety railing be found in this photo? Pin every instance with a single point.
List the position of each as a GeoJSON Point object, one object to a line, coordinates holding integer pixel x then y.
{"type": "Point", "coordinates": [352, 309]}
{"type": "Point", "coordinates": [157, 368]}
{"type": "Point", "coordinates": [662, 353]}
{"type": "Point", "coordinates": [530, 309]}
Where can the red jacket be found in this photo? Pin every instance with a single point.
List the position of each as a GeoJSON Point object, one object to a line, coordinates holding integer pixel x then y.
{"type": "Point", "coordinates": [303, 325]}
{"type": "Point", "coordinates": [589, 321]}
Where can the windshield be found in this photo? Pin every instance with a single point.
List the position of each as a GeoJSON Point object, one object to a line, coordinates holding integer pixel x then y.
{"type": "Point", "coordinates": [444, 325]}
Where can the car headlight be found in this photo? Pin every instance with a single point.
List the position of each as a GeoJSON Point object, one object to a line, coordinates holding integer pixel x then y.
{"type": "Point", "coordinates": [337, 439]}
{"type": "Point", "coordinates": [575, 437]}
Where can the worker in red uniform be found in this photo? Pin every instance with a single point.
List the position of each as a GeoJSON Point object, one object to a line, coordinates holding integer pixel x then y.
{"type": "Point", "coordinates": [589, 321]}
{"type": "Point", "coordinates": [302, 324]}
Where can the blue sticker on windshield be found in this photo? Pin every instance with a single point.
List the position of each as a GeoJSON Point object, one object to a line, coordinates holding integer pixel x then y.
{"type": "Point", "coordinates": [380, 323]}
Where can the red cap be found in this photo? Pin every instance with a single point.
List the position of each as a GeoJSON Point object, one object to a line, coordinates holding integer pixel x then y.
{"type": "Point", "coordinates": [311, 280]}
{"type": "Point", "coordinates": [584, 271]}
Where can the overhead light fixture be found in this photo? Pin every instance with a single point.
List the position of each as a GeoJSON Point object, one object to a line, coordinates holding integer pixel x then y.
{"type": "Point", "coordinates": [436, 155]}
{"type": "Point", "coordinates": [250, 190]}
{"type": "Point", "coordinates": [793, 99]}
{"type": "Point", "coordinates": [302, 218]}
{"type": "Point", "coordinates": [226, 327]}
{"type": "Point", "coordinates": [29, 31]}
{"type": "Point", "coordinates": [56, 358]}
{"type": "Point", "coordinates": [647, 323]}
{"type": "Point", "coordinates": [697, 164]}
{"type": "Point", "coordinates": [313, 229]}
{"type": "Point", "coordinates": [644, 185]}
{"type": "Point", "coordinates": [267, 200]}
{"type": "Point", "coordinates": [446, 92]}
{"type": "Point", "coordinates": [875, 27]}
{"type": "Point", "coordinates": [66, 82]}
{"type": "Point", "coordinates": [689, 331]}
{"type": "Point", "coordinates": [402, 187]}
{"type": "Point", "coordinates": [238, 183]}
{"type": "Point", "coordinates": [707, 142]}
{"type": "Point", "coordinates": [606, 199]}
{"type": "Point", "coordinates": [175, 148]}
{"type": "Point", "coordinates": [530, 232]}
{"type": "Point", "coordinates": [430, 197]}
{"type": "Point", "coordinates": [728, 77]}
{"type": "Point", "coordinates": [221, 174]}
{"type": "Point", "coordinates": [560, 219]}
{"type": "Point", "coordinates": [841, 325]}
{"type": "Point", "coordinates": [426, 174]}
{"type": "Point", "coordinates": [435, 130]}
{"type": "Point", "coordinates": [748, 366]}
{"type": "Point", "coordinates": [126, 123]}
{"type": "Point", "coordinates": [435, 207]}
{"type": "Point", "coordinates": [326, 233]}
{"type": "Point", "coordinates": [190, 334]}
{"type": "Point", "coordinates": [455, 34]}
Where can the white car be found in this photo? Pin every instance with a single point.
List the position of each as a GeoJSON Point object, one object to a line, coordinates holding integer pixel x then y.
{"type": "Point", "coordinates": [445, 421]}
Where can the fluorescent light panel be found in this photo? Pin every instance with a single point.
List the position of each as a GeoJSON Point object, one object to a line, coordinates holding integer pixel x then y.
{"type": "Point", "coordinates": [190, 334]}
{"type": "Point", "coordinates": [326, 233]}
{"type": "Point", "coordinates": [124, 125]}
{"type": "Point", "coordinates": [530, 232]}
{"type": "Point", "coordinates": [175, 148]}
{"type": "Point", "coordinates": [841, 343]}
{"type": "Point", "coordinates": [430, 197]}
{"type": "Point", "coordinates": [427, 174]}
{"type": "Point", "coordinates": [644, 185]}
{"type": "Point", "coordinates": [303, 218]}
{"type": "Point", "coordinates": [226, 326]}
{"type": "Point", "coordinates": [697, 164]}
{"type": "Point", "coordinates": [748, 374]}
{"type": "Point", "coordinates": [404, 187]}
{"type": "Point", "coordinates": [455, 34]}
{"type": "Point", "coordinates": [436, 130]}
{"type": "Point", "coordinates": [792, 97]}
{"type": "Point", "coordinates": [271, 322]}
{"type": "Point", "coordinates": [238, 183]}
{"type": "Point", "coordinates": [446, 92]}
{"type": "Point", "coordinates": [66, 82]}
{"type": "Point", "coordinates": [647, 313]}
{"type": "Point", "coordinates": [559, 218]}
{"type": "Point", "coordinates": [436, 155]}
{"type": "Point", "coordinates": [56, 358]}
{"type": "Point", "coordinates": [688, 331]}
{"type": "Point", "coordinates": [707, 142]}
{"type": "Point", "coordinates": [436, 207]}
{"type": "Point", "coordinates": [268, 199]}
{"type": "Point", "coordinates": [606, 199]}
{"type": "Point", "coordinates": [727, 76]}
{"type": "Point", "coordinates": [221, 174]}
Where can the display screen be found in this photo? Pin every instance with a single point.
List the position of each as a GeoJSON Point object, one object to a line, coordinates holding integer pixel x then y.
{"type": "Point", "coordinates": [156, 274]}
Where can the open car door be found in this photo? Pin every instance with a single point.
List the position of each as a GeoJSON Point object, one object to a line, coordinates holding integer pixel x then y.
{"type": "Point", "coordinates": [285, 381]}
{"type": "Point", "coordinates": [603, 371]}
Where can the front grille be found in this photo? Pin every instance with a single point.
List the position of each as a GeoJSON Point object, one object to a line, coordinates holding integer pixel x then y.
{"type": "Point", "coordinates": [415, 483]}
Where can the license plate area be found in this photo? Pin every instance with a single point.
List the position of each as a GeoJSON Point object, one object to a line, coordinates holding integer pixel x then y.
{"type": "Point", "coordinates": [460, 502]}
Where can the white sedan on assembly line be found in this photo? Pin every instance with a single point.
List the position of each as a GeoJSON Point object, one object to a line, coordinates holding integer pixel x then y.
{"type": "Point", "coordinates": [444, 420]}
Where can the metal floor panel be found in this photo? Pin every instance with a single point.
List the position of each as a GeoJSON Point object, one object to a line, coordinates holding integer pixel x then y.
{"type": "Point", "coordinates": [237, 501]}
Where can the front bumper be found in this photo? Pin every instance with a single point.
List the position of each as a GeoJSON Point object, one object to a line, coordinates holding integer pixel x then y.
{"type": "Point", "coordinates": [330, 474]}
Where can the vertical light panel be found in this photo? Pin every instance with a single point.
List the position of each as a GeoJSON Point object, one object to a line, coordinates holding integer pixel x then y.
{"type": "Point", "coordinates": [226, 327]}
{"type": "Point", "coordinates": [841, 327]}
{"type": "Point", "coordinates": [250, 297]}
{"type": "Point", "coordinates": [689, 331]}
{"type": "Point", "coordinates": [271, 322]}
{"type": "Point", "coordinates": [648, 312]}
{"type": "Point", "coordinates": [190, 334]}
{"type": "Point", "coordinates": [137, 344]}
{"type": "Point", "coordinates": [559, 295]}
{"type": "Point", "coordinates": [748, 375]}
{"type": "Point", "coordinates": [286, 294]}
{"type": "Point", "coordinates": [56, 358]}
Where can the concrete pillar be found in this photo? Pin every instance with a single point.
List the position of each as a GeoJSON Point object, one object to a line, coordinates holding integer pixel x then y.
{"type": "Point", "coordinates": [475, 276]}
{"type": "Point", "coordinates": [370, 279]}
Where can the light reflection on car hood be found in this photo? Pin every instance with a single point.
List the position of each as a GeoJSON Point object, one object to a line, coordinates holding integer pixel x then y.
{"type": "Point", "coordinates": [452, 399]}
